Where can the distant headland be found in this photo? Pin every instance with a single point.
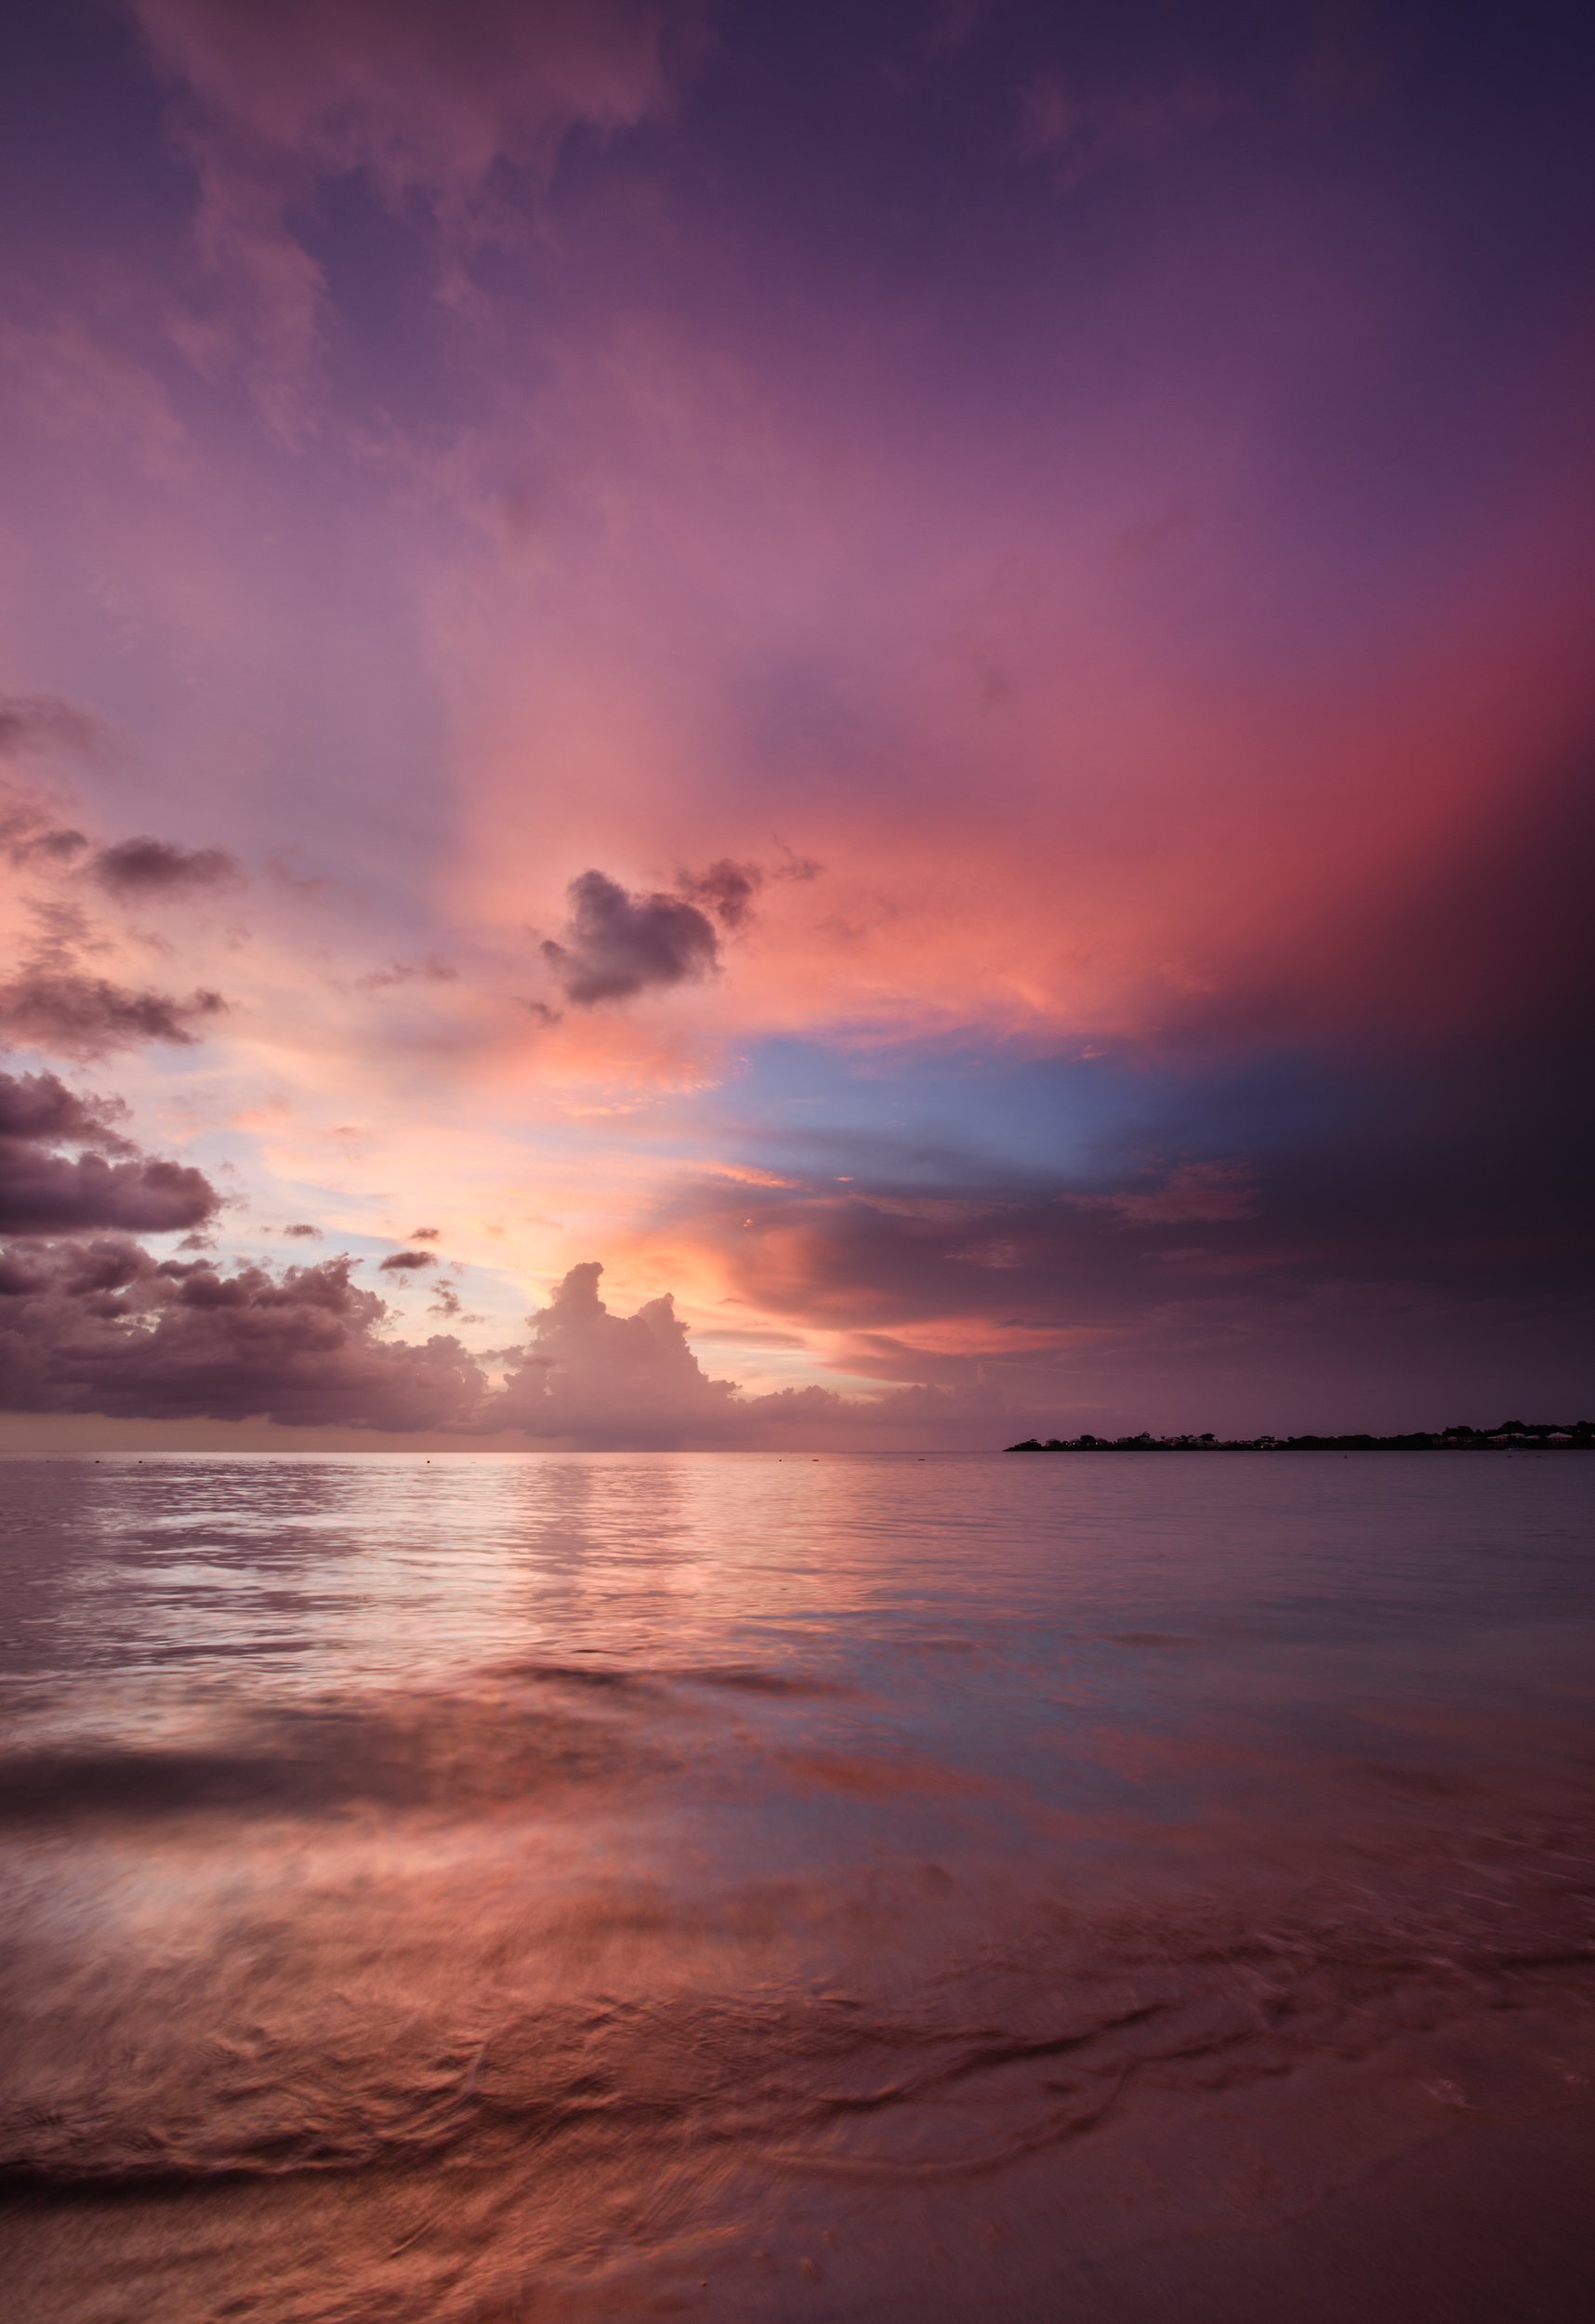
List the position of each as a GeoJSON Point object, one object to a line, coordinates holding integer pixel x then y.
{"type": "Point", "coordinates": [1511, 1436]}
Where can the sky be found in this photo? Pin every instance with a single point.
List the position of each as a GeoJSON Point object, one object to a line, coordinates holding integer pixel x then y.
{"type": "Point", "coordinates": [849, 726]}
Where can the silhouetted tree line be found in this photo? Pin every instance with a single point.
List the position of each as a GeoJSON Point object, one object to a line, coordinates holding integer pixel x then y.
{"type": "Point", "coordinates": [1527, 1435]}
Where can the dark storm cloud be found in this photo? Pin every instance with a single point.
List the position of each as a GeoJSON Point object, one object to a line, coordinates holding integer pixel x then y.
{"type": "Point", "coordinates": [406, 1261]}
{"type": "Point", "coordinates": [1355, 1175]}
{"type": "Point", "coordinates": [154, 868]}
{"type": "Point", "coordinates": [104, 1327]}
{"type": "Point", "coordinates": [1353, 1190]}
{"type": "Point", "coordinates": [88, 1016]}
{"type": "Point", "coordinates": [1337, 1295]}
{"type": "Point", "coordinates": [44, 1192]}
{"type": "Point", "coordinates": [617, 945]}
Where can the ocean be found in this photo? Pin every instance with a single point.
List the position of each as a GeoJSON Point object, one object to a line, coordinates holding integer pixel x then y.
{"type": "Point", "coordinates": [745, 1886]}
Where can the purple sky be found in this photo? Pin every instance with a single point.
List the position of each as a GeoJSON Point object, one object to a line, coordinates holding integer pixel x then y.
{"type": "Point", "coordinates": [916, 676]}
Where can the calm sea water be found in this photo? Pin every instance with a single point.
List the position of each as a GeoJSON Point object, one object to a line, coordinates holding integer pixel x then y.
{"type": "Point", "coordinates": [751, 1887]}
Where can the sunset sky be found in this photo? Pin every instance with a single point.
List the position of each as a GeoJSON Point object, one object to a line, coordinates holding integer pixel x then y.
{"type": "Point", "coordinates": [919, 675]}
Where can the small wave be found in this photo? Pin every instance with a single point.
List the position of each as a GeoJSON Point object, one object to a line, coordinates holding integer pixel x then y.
{"type": "Point", "coordinates": [316, 1759]}
{"type": "Point", "coordinates": [274, 2063]}
{"type": "Point", "coordinates": [650, 1678]}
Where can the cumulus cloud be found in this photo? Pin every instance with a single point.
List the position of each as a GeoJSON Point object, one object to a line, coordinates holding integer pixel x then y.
{"type": "Point", "coordinates": [611, 1379]}
{"type": "Point", "coordinates": [40, 1109]}
{"type": "Point", "coordinates": [302, 1229]}
{"type": "Point", "coordinates": [406, 1261]}
{"type": "Point", "coordinates": [100, 1325]}
{"type": "Point", "coordinates": [76, 1015]}
{"type": "Point", "coordinates": [108, 1183]}
{"type": "Point", "coordinates": [597, 1379]}
{"type": "Point", "coordinates": [104, 1328]}
{"type": "Point", "coordinates": [154, 867]}
{"type": "Point", "coordinates": [52, 1000]}
{"type": "Point", "coordinates": [617, 945]}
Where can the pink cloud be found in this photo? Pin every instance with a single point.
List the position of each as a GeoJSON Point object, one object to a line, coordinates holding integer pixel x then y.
{"type": "Point", "coordinates": [426, 102]}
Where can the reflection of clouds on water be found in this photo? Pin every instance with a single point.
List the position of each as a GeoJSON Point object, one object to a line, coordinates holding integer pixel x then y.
{"type": "Point", "coordinates": [423, 1877]}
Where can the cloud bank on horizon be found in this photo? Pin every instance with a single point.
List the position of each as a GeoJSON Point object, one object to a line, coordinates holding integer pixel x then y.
{"type": "Point", "coordinates": [918, 675]}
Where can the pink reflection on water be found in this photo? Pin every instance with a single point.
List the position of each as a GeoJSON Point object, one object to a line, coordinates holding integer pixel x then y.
{"type": "Point", "coordinates": [599, 1887]}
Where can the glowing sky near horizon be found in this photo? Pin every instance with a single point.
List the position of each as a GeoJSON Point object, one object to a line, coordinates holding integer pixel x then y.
{"type": "Point", "coordinates": [1042, 557]}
